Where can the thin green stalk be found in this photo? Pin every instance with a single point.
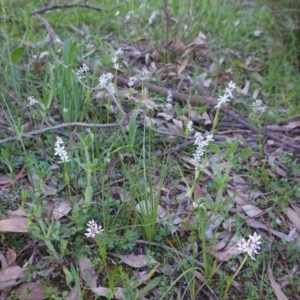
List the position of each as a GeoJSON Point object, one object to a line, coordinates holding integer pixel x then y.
{"type": "Point", "coordinates": [230, 280]}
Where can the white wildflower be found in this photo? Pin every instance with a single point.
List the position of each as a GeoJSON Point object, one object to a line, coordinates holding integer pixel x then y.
{"type": "Point", "coordinates": [169, 97]}
{"type": "Point", "coordinates": [81, 71]}
{"type": "Point", "coordinates": [169, 105]}
{"type": "Point", "coordinates": [131, 81]}
{"type": "Point", "coordinates": [152, 17]}
{"type": "Point", "coordinates": [105, 81]}
{"type": "Point", "coordinates": [222, 99]}
{"type": "Point", "coordinates": [251, 246]}
{"type": "Point", "coordinates": [119, 52]}
{"type": "Point", "coordinates": [115, 58]}
{"type": "Point", "coordinates": [116, 66]}
{"type": "Point", "coordinates": [32, 101]}
{"type": "Point", "coordinates": [201, 143]}
{"type": "Point", "coordinates": [65, 110]}
{"type": "Point", "coordinates": [227, 94]}
{"type": "Point", "coordinates": [60, 150]}
{"type": "Point", "coordinates": [231, 85]}
{"type": "Point", "coordinates": [258, 106]}
{"type": "Point", "coordinates": [189, 126]}
{"type": "Point", "coordinates": [209, 138]}
{"type": "Point", "coordinates": [197, 203]}
{"type": "Point", "coordinates": [93, 229]}
{"type": "Point", "coordinates": [145, 74]}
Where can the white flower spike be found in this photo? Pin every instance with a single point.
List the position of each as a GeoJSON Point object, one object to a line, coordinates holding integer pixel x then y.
{"type": "Point", "coordinates": [251, 246]}
{"type": "Point", "coordinates": [227, 94]}
{"type": "Point", "coordinates": [60, 150]}
{"type": "Point", "coordinates": [93, 229]}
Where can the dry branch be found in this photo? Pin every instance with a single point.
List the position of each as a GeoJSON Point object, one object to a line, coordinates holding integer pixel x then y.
{"type": "Point", "coordinates": [66, 5]}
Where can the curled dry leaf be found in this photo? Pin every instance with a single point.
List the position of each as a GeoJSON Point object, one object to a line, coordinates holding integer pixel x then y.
{"type": "Point", "coordinates": [137, 261]}
{"type": "Point", "coordinates": [182, 66]}
{"type": "Point", "coordinates": [245, 90]}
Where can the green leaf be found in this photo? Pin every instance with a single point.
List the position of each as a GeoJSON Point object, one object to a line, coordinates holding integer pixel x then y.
{"type": "Point", "coordinates": [71, 53]}
{"type": "Point", "coordinates": [150, 286]}
{"type": "Point", "coordinates": [244, 154]}
{"type": "Point", "coordinates": [69, 277]}
{"type": "Point", "coordinates": [215, 148]}
{"type": "Point", "coordinates": [17, 54]}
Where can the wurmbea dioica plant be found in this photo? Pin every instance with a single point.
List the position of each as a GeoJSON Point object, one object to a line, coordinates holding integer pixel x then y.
{"type": "Point", "coordinates": [251, 247]}
{"type": "Point", "coordinates": [95, 231]}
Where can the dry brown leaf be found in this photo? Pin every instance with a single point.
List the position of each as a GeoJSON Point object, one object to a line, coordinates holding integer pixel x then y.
{"type": "Point", "coordinates": [225, 254]}
{"type": "Point", "coordinates": [40, 187]}
{"type": "Point", "coordinates": [108, 293]}
{"type": "Point", "coordinates": [245, 90]}
{"type": "Point", "coordinates": [10, 258]}
{"type": "Point", "coordinates": [277, 290]}
{"type": "Point", "coordinates": [182, 66]}
{"type": "Point", "coordinates": [177, 123]}
{"type": "Point", "coordinates": [74, 295]}
{"type": "Point", "coordinates": [14, 225]}
{"type": "Point", "coordinates": [206, 118]}
{"type": "Point", "coordinates": [202, 79]}
{"type": "Point", "coordinates": [255, 224]}
{"type": "Point", "coordinates": [293, 217]}
{"type": "Point", "coordinates": [137, 261]}
{"type": "Point", "coordinates": [9, 276]}
{"type": "Point", "coordinates": [87, 271]}
{"type": "Point", "coordinates": [49, 207]}
{"type": "Point", "coordinates": [198, 43]}
{"type": "Point", "coordinates": [199, 276]}
{"type": "Point", "coordinates": [166, 116]}
{"type": "Point", "coordinates": [176, 46]}
{"type": "Point", "coordinates": [239, 198]}
{"type": "Point", "coordinates": [252, 210]}
{"type": "Point", "coordinates": [63, 208]}
{"type": "Point", "coordinates": [295, 207]}
{"type": "Point", "coordinates": [4, 179]}
{"type": "Point", "coordinates": [31, 291]}
{"type": "Point", "coordinates": [172, 128]}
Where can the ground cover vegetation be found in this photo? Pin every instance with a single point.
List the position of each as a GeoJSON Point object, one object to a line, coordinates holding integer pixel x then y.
{"type": "Point", "coordinates": [149, 150]}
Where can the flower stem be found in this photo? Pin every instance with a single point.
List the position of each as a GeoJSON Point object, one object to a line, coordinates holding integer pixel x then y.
{"type": "Point", "coordinates": [230, 280]}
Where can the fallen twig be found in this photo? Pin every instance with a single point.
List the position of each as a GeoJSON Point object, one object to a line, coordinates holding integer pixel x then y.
{"type": "Point", "coordinates": [30, 134]}
{"type": "Point", "coordinates": [66, 5]}
{"type": "Point", "coordinates": [50, 29]}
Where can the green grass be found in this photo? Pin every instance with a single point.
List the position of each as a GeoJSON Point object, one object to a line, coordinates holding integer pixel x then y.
{"type": "Point", "coordinates": [122, 177]}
